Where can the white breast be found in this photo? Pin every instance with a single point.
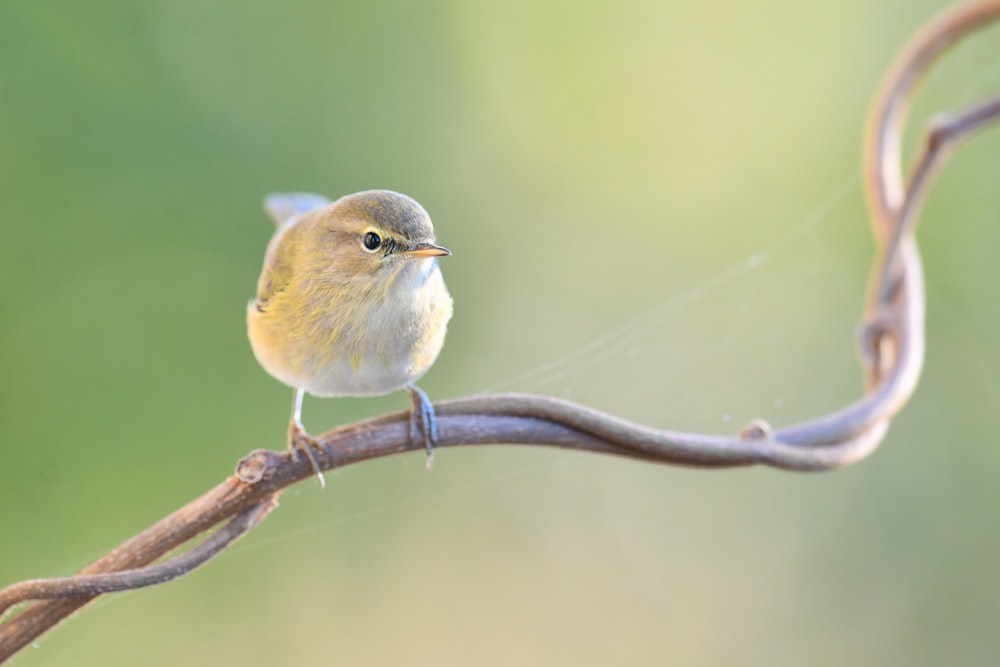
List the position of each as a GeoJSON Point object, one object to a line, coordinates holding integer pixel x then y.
{"type": "Point", "coordinates": [402, 337]}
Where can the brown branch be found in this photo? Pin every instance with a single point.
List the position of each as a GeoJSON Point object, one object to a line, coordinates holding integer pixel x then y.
{"type": "Point", "coordinates": [124, 580]}
{"type": "Point", "coordinates": [892, 350]}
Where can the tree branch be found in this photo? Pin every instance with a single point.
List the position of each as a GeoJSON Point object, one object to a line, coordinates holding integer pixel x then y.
{"type": "Point", "coordinates": [892, 351]}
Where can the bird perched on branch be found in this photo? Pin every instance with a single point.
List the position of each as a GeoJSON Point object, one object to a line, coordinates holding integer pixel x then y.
{"type": "Point", "coordinates": [351, 301]}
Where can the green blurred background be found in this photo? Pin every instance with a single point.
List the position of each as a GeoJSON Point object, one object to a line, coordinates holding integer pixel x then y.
{"type": "Point", "coordinates": [654, 208]}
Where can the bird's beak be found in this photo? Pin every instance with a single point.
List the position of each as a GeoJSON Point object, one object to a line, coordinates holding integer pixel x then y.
{"type": "Point", "coordinates": [427, 250]}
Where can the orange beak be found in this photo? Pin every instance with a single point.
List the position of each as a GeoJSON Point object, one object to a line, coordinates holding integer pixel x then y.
{"type": "Point", "coordinates": [428, 250]}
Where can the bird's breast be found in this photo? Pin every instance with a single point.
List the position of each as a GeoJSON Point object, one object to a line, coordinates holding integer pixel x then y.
{"type": "Point", "coordinates": [368, 342]}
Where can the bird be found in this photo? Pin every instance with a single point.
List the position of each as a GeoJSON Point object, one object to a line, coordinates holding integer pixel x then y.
{"type": "Point", "coordinates": [351, 302]}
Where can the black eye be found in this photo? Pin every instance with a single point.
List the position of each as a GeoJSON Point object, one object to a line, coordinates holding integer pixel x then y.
{"type": "Point", "coordinates": [372, 241]}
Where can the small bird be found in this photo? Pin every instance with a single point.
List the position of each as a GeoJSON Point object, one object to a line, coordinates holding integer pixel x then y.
{"type": "Point", "coordinates": [351, 301]}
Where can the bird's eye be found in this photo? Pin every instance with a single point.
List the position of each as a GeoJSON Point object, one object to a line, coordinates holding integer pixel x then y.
{"type": "Point", "coordinates": [372, 241]}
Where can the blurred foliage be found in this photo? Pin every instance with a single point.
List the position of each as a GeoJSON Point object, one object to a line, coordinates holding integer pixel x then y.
{"type": "Point", "coordinates": [654, 209]}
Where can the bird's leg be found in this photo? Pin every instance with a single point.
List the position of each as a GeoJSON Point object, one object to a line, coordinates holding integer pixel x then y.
{"type": "Point", "coordinates": [299, 439]}
{"type": "Point", "coordinates": [422, 419]}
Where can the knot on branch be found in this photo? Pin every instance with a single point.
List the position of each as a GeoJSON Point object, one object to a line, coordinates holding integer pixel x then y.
{"type": "Point", "coordinates": [876, 340]}
{"type": "Point", "coordinates": [756, 429]}
{"type": "Point", "coordinates": [258, 465]}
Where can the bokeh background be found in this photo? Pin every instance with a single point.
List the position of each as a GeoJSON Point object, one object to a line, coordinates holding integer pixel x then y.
{"type": "Point", "coordinates": [655, 209]}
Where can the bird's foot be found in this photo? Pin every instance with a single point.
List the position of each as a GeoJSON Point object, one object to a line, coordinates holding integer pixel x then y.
{"type": "Point", "coordinates": [423, 422]}
{"type": "Point", "coordinates": [300, 441]}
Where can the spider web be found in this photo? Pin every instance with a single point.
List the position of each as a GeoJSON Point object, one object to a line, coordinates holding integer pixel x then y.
{"type": "Point", "coordinates": [716, 323]}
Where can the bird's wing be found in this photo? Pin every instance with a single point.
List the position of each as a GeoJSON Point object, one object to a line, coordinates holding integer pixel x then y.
{"type": "Point", "coordinates": [284, 205]}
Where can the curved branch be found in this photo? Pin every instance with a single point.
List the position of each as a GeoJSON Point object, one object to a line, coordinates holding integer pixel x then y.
{"type": "Point", "coordinates": [91, 585]}
{"type": "Point", "coordinates": [892, 350]}
{"type": "Point", "coordinates": [882, 157]}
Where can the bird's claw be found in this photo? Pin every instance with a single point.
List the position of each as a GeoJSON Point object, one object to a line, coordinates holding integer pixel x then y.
{"type": "Point", "coordinates": [300, 441]}
{"type": "Point", "coordinates": [423, 422]}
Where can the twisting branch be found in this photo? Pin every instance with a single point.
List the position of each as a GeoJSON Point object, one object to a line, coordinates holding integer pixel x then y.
{"type": "Point", "coordinates": [95, 584]}
{"type": "Point", "coordinates": [892, 351]}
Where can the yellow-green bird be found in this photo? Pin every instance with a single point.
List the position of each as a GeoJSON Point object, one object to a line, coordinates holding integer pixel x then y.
{"type": "Point", "coordinates": [351, 301]}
